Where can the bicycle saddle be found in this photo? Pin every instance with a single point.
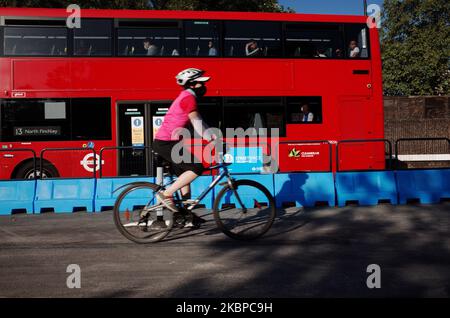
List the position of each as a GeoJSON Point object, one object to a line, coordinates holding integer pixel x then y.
{"type": "Point", "coordinates": [160, 161]}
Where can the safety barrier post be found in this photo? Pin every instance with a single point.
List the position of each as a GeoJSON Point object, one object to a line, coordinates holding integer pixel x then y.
{"type": "Point", "coordinates": [306, 188]}
{"type": "Point", "coordinates": [62, 195]}
{"type": "Point", "coordinates": [18, 195]}
{"type": "Point", "coordinates": [365, 186]}
{"type": "Point", "coordinates": [424, 185]}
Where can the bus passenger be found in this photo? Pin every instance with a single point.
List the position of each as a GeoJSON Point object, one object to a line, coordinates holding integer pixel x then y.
{"type": "Point", "coordinates": [252, 49]}
{"type": "Point", "coordinates": [354, 49]}
{"type": "Point", "coordinates": [150, 49]}
{"type": "Point", "coordinates": [320, 53]}
{"type": "Point", "coordinates": [212, 50]}
{"type": "Point", "coordinates": [305, 116]}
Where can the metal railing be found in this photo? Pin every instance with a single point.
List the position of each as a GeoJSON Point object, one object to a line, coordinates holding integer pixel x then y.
{"type": "Point", "coordinates": [366, 141]}
{"type": "Point", "coordinates": [95, 162]}
{"type": "Point", "coordinates": [312, 142]}
{"type": "Point", "coordinates": [21, 150]}
{"type": "Point", "coordinates": [121, 148]}
{"type": "Point", "coordinates": [401, 141]}
{"type": "Point", "coordinates": [89, 150]}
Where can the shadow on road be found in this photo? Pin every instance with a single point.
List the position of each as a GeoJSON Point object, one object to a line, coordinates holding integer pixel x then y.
{"type": "Point", "coordinates": [320, 252]}
{"type": "Point", "coordinates": [328, 256]}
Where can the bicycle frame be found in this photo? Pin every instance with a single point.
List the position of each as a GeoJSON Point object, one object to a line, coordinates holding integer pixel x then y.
{"type": "Point", "coordinates": [223, 174]}
{"type": "Point", "coordinates": [202, 195]}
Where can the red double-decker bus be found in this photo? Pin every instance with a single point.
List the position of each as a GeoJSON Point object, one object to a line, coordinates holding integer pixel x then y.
{"type": "Point", "coordinates": [110, 82]}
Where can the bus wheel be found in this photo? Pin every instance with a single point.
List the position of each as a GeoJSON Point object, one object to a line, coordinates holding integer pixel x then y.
{"type": "Point", "coordinates": [26, 170]}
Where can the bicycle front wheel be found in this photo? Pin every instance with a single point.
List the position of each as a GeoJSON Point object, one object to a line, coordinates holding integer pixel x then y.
{"type": "Point", "coordinates": [136, 214]}
{"type": "Point", "coordinates": [244, 211]}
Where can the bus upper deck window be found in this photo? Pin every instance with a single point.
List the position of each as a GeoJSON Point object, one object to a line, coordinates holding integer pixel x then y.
{"type": "Point", "coordinates": [149, 39]}
{"type": "Point", "coordinates": [252, 39]}
{"type": "Point", "coordinates": [357, 40]}
{"type": "Point", "coordinates": [306, 40]}
{"type": "Point", "coordinates": [93, 38]}
{"type": "Point", "coordinates": [35, 41]}
{"type": "Point", "coordinates": [202, 38]}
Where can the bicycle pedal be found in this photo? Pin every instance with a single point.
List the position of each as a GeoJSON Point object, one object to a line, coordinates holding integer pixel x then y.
{"type": "Point", "coordinates": [179, 222]}
{"type": "Point", "coordinates": [189, 202]}
{"type": "Point", "coordinates": [192, 225]}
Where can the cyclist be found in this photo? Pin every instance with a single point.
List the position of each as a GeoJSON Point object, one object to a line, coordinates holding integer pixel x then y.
{"type": "Point", "coordinates": [182, 112]}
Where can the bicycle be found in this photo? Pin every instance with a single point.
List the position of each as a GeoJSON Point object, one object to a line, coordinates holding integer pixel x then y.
{"type": "Point", "coordinates": [242, 209]}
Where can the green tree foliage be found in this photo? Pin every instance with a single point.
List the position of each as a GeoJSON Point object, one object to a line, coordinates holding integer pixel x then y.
{"type": "Point", "coordinates": [227, 5]}
{"type": "Point", "coordinates": [219, 5]}
{"type": "Point", "coordinates": [416, 47]}
{"type": "Point", "coordinates": [106, 4]}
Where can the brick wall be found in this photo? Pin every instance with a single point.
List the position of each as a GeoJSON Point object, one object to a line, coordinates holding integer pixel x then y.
{"type": "Point", "coordinates": [407, 117]}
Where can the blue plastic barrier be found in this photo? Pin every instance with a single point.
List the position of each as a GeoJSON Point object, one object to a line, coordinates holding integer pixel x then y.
{"type": "Point", "coordinates": [105, 198]}
{"type": "Point", "coordinates": [64, 195]}
{"type": "Point", "coordinates": [17, 196]}
{"type": "Point", "coordinates": [134, 200]}
{"type": "Point", "coordinates": [197, 187]}
{"type": "Point", "coordinates": [366, 187]}
{"type": "Point", "coordinates": [304, 189]}
{"type": "Point", "coordinates": [428, 186]}
{"type": "Point", "coordinates": [247, 196]}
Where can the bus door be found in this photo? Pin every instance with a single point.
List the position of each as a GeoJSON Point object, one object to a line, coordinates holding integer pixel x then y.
{"type": "Point", "coordinates": [357, 122]}
{"type": "Point", "coordinates": [137, 124]}
{"type": "Point", "coordinates": [132, 131]}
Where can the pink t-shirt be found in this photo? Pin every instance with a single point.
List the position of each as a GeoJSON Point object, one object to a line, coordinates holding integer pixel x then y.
{"type": "Point", "coordinates": [177, 117]}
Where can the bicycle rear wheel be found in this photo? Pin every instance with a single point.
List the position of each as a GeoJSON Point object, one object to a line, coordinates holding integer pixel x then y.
{"type": "Point", "coordinates": [246, 211]}
{"type": "Point", "coordinates": [135, 214]}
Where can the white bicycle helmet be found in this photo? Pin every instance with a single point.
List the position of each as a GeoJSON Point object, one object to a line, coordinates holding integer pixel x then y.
{"type": "Point", "coordinates": [191, 75]}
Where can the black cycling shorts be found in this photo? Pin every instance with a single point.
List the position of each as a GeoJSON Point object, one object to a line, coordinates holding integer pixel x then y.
{"type": "Point", "coordinates": [164, 149]}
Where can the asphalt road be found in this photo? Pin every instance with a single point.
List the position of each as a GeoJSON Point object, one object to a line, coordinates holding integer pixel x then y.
{"type": "Point", "coordinates": [320, 252]}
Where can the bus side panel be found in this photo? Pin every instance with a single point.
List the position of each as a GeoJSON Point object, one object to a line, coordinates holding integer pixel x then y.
{"type": "Point", "coordinates": [5, 78]}
{"type": "Point", "coordinates": [357, 120]}
{"type": "Point", "coordinates": [377, 84]}
{"type": "Point", "coordinates": [47, 74]}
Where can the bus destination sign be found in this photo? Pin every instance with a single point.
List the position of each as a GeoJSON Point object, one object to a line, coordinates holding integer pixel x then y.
{"type": "Point", "coordinates": [37, 131]}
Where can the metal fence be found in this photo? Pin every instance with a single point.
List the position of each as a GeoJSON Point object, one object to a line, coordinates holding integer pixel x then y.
{"type": "Point", "coordinates": [422, 153]}
{"type": "Point", "coordinates": [372, 154]}
{"type": "Point", "coordinates": [302, 155]}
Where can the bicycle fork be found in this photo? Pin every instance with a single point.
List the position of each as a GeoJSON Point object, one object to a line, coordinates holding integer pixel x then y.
{"type": "Point", "coordinates": [231, 184]}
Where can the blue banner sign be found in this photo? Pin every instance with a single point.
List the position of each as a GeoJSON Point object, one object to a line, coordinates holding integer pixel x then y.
{"type": "Point", "coordinates": [245, 159]}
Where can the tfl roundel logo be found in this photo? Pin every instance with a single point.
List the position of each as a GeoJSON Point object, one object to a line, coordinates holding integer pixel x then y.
{"type": "Point", "coordinates": [88, 162]}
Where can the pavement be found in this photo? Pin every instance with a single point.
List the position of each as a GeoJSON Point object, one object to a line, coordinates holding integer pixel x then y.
{"type": "Point", "coordinates": [320, 252]}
